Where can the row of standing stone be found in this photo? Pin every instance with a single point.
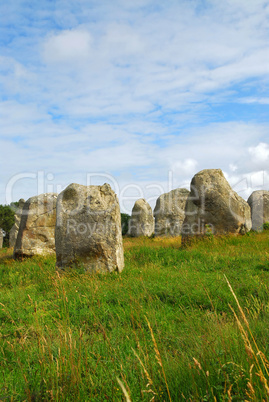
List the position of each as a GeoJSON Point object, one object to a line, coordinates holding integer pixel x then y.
{"type": "Point", "coordinates": [210, 207]}
{"type": "Point", "coordinates": [83, 223]}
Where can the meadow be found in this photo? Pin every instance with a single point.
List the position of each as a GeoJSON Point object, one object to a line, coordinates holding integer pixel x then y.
{"type": "Point", "coordinates": [178, 324]}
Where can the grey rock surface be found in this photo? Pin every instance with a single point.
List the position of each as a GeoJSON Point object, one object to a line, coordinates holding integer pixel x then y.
{"type": "Point", "coordinates": [1, 238]}
{"type": "Point", "coordinates": [36, 235]}
{"type": "Point", "coordinates": [213, 207]}
{"type": "Point", "coordinates": [88, 229]}
{"type": "Point", "coordinates": [15, 228]}
{"type": "Point", "coordinates": [169, 212]}
{"type": "Point", "coordinates": [142, 220]}
{"type": "Point", "coordinates": [259, 204]}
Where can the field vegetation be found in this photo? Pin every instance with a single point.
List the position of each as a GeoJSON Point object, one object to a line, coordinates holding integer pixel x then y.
{"type": "Point", "coordinates": [178, 324]}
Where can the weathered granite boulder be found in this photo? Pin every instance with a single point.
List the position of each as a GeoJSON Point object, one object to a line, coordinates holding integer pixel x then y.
{"type": "Point", "coordinates": [142, 221]}
{"type": "Point", "coordinates": [88, 229]}
{"type": "Point", "coordinates": [259, 204]}
{"type": "Point", "coordinates": [36, 234]}
{"type": "Point", "coordinates": [213, 207]}
{"type": "Point", "coordinates": [15, 228]}
{"type": "Point", "coordinates": [169, 212]}
{"type": "Point", "coordinates": [1, 238]}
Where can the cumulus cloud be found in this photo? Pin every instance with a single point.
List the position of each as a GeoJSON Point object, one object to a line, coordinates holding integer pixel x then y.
{"type": "Point", "coordinates": [260, 154]}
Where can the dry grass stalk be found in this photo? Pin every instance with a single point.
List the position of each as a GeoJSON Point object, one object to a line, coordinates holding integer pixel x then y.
{"type": "Point", "coordinates": [158, 357]}
{"type": "Point", "coordinates": [230, 393]}
{"type": "Point", "coordinates": [197, 363]}
{"type": "Point", "coordinates": [150, 382]}
{"type": "Point", "coordinates": [124, 390]}
{"type": "Point", "coordinates": [247, 324]}
{"type": "Point", "coordinates": [264, 381]}
{"type": "Point", "coordinates": [8, 313]}
{"type": "Point", "coordinates": [249, 348]}
{"type": "Point", "coordinates": [260, 353]}
{"type": "Point", "coordinates": [251, 392]}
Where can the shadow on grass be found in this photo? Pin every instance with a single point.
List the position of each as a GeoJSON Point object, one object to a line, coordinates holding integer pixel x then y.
{"type": "Point", "coordinates": [6, 254]}
{"type": "Point", "coordinates": [263, 267]}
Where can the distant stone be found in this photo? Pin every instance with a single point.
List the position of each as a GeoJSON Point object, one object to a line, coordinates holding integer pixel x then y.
{"type": "Point", "coordinates": [1, 238]}
{"type": "Point", "coordinates": [213, 207]}
{"type": "Point", "coordinates": [36, 235]}
{"type": "Point", "coordinates": [88, 229]}
{"type": "Point", "coordinates": [142, 221]}
{"type": "Point", "coordinates": [15, 228]}
{"type": "Point", "coordinates": [169, 212]}
{"type": "Point", "coordinates": [259, 204]}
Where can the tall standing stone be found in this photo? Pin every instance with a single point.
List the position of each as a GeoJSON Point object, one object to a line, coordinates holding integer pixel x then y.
{"type": "Point", "coordinates": [88, 229]}
{"type": "Point", "coordinates": [142, 221]}
{"type": "Point", "coordinates": [36, 234]}
{"type": "Point", "coordinates": [1, 238]}
{"type": "Point", "coordinates": [259, 204]}
{"type": "Point", "coordinates": [214, 207]}
{"type": "Point", "coordinates": [169, 212]}
{"type": "Point", "coordinates": [15, 228]}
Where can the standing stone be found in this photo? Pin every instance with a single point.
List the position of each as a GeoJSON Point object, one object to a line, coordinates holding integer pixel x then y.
{"type": "Point", "coordinates": [1, 238]}
{"type": "Point", "coordinates": [88, 229]}
{"type": "Point", "coordinates": [15, 228]}
{"type": "Point", "coordinates": [37, 227]}
{"type": "Point", "coordinates": [213, 207]}
{"type": "Point", "coordinates": [142, 221]}
{"type": "Point", "coordinates": [169, 212]}
{"type": "Point", "coordinates": [259, 204]}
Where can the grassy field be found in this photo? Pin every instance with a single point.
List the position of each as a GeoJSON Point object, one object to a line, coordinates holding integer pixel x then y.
{"type": "Point", "coordinates": [168, 328]}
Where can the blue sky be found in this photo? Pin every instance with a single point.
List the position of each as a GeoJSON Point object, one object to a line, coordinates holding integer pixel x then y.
{"type": "Point", "coordinates": [140, 94]}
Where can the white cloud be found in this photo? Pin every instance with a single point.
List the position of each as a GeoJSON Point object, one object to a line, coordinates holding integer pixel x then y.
{"type": "Point", "coordinates": [136, 89]}
{"type": "Point", "coordinates": [260, 153]}
{"type": "Point", "coordinates": [259, 179]}
{"type": "Point", "coordinates": [250, 100]}
{"type": "Point", "coordinates": [121, 40]}
{"type": "Point", "coordinates": [70, 46]}
{"type": "Point", "coordinates": [232, 167]}
{"type": "Point", "coordinates": [244, 184]}
{"type": "Point", "coordinates": [185, 167]}
{"type": "Point", "coordinates": [167, 56]}
{"type": "Point", "coordinates": [122, 154]}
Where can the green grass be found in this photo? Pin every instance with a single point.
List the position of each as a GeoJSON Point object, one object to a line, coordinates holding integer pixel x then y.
{"type": "Point", "coordinates": [164, 327]}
